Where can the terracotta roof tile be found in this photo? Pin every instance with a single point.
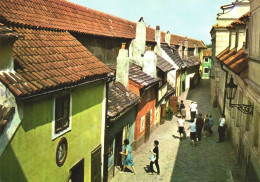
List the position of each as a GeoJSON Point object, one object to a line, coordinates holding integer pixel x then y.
{"type": "Point", "coordinates": [237, 61]}
{"type": "Point", "coordinates": [119, 99]}
{"type": "Point", "coordinates": [6, 113]}
{"type": "Point", "coordinates": [137, 75]}
{"type": "Point", "coordinates": [35, 68]}
{"type": "Point", "coordinates": [207, 53]}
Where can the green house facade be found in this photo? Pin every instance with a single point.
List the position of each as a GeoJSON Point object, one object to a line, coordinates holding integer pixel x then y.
{"type": "Point", "coordinates": [206, 65]}
{"type": "Point", "coordinates": [58, 89]}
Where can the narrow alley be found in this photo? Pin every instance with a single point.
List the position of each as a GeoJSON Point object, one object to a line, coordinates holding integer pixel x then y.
{"type": "Point", "coordinates": [208, 161]}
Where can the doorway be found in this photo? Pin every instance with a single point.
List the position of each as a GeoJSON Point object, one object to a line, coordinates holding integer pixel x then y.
{"type": "Point", "coordinates": [163, 113]}
{"type": "Point", "coordinates": [147, 127]}
{"type": "Point", "coordinates": [77, 172]}
{"type": "Point", "coordinates": [118, 148]}
{"type": "Point", "coordinates": [96, 164]}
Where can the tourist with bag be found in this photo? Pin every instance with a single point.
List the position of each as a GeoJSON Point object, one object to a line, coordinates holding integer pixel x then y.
{"type": "Point", "coordinates": [154, 157]}
{"type": "Point", "coordinates": [129, 158]}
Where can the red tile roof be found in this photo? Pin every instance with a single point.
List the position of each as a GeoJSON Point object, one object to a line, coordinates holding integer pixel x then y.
{"type": "Point", "coordinates": [63, 15]}
{"type": "Point", "coordinates": [237, 61]}
{"type": "Point", "coordinates": [207, 53]}
{"type": "Point", "coordinates": [240, 21]}
{"type": "Point", "coordinates": [176, 39]}
{"type": "Point", "coordinates": [47, 60]}
{"type": "Point", "coordinates": [6, 113]}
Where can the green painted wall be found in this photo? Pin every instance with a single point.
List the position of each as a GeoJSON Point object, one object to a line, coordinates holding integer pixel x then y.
{"type": "Point", "coordinates": [183, 76]}
{"type": "Point", "coordinates": [206, 65]}
{"type": "Point", "coordinates": [31, 155]}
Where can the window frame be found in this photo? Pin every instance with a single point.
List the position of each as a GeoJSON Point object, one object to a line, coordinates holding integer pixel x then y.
{"type": "Point", "coordinates": [57, 133]}
{"type": "Point", "coordinates": [205, 60]}
{"type": "Point", "coordinates": [142, 123]}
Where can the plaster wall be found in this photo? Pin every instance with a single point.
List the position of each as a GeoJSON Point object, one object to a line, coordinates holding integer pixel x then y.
{"type": "Point", "coordinates": [122, 68]}
{"type": "Point", "coordinates": [222, 41]}
{"type": "Point", "coordinates": [31, 155]}
{"type": "Point", "coordinates": [150, 61]}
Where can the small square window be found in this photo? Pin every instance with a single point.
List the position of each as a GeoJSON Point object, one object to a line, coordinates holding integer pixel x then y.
{"type": "Point", "coordinates": [62, 113]}
{"type": "Point", "coordinates": [206, 60]}
{"type": "Point", "coordinates": [206, 70]}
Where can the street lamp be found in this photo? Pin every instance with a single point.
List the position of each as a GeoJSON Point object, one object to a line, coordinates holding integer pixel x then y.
{"type": "Point", "coordinates": [231, 90]}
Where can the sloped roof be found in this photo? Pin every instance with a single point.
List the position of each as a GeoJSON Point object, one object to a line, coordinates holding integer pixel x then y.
{"type": "Point", "coordinates": [237, 61]}
{"type": "Point", "coordinates": [7, 32]}
{"type": "Point", "coordinates": [164, 65]}
{"type": "Point", "coordinates": [173, 54]}
{"type": "Point", "coordinates": [137, 75]}
{"type": "Point", "coordinates": [45, 60]}
{"type": "Point", "coordinates": [192, 61]}
{"type": "Point", "coordinates": [240, 21]}
{"type": "Point", "coordinates": [170, 90]}
{"type": "Point", "coordinates": [176, 39]}
{"type": "Point", "coordinates": [6, 113]}
{"type": "Point", "coordinates": [119, 99]}
{"type": "Point", "coordinates": [207, 53]}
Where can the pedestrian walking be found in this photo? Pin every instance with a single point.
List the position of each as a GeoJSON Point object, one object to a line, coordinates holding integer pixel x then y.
{"type": "Point", "coordinates": [192, 128]}
{"type": "Point", "coordinates": [211, 123]}
{"type": "Point", "coordinates": [181, 122]}
{"type": "Point", "coordinates": [155, 152]}
{"type": "Point", "coordinates": [199, 126]}
{"type": "Point", "coordinates": [206, 125]}
{"type": "Point", "coordinates": [128, 157]}
{"type": "Point", "coordinates": [221, 128]}
{"type": "Point", "coordinates": [182, 109]}
{"type": "Point", "coordinates": [193, 110]}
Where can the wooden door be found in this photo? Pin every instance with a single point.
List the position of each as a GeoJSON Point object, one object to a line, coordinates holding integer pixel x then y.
{"type": "Point", "coordinates": [96, 165]}
{"type": "Point", "coordinates": [173, 104]}
{"type": "Point", "coordinates": [118, 148]}
{"type": "Point", "coordinates": [77, 172]}
{"type": "Point", "coordinates": [163, 113]}
{"type": "Point", "coordinates": [147, 127]}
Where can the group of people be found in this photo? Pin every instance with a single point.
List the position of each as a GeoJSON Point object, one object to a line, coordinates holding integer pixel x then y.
{"type": "Point", "coordinates": [198, 124]}
{"type": "Point", "coordinates": [128, 161]}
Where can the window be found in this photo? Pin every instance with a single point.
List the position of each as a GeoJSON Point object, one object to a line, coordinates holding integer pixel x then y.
{"type": "Point", "coordinates": [206, 60]}
{"type": "Point", "coordinates": [110, 148]}
{"type": "Point", "coordinates": [142, 124]}
{"type": "Point", "coordinates": [206, 70]}
{"type": "Point", "coordinates": [62, 113]}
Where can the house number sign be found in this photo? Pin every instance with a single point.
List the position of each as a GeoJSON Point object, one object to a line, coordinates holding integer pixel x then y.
{"type": "Point", "coordinates": [61, 151]}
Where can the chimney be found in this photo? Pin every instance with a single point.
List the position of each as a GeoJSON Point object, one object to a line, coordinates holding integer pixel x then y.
{"type": "Point", "coordinates": [241, 39]}
{"type": "Point", "coordinates": [158, 35]}
{"type": "Point", "coordinates": [186, 43]}
{"type": "Point", "coordinates": [137, 47]}
{"type": "Point", "coordinates": [180, 49]}
{"type": "Point", "coordinates": [232, 42]}
{"type": "Point", "coordinates": [122, 66]}
{"type": "Point", "coordinates": [196, 50]}
{"type": "Point", "coordinates": [168, 38]}
{"type": "Point", "coordinates": [150, 61]}
{"type": "Point", "coordinates": [7, 39]}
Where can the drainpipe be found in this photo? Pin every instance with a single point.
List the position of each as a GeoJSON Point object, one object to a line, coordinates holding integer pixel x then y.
{"type": "Point", "coordinates": [225, 92]}
{"type": "Point", "coordinates": [105, 166]}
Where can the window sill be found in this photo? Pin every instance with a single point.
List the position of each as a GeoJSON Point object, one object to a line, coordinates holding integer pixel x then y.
{"type": "Point", "coordinates": [55, 136]}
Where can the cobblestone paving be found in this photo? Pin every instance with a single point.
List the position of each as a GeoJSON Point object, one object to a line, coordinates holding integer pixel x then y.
{"type": "Point", "coordinates": [208, 161]}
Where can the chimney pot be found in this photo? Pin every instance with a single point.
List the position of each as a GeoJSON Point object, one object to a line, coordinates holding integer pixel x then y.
{"type": "Point", "coordinates": [123, 46]}
{"type": "Point", "coordinates": [157, 27]}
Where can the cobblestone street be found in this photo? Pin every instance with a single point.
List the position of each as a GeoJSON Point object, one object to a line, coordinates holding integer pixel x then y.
{"type": "Point", "coordinates": [208, 161]}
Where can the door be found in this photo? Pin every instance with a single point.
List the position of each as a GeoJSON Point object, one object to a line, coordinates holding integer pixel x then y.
{"type": "Point", "coordinates": [163, 113]}
{"type": "Point", "coordinates": [77, 172]}
{"type": "Point", "coordinates": [96, 165]}
{"type": "Point", "coordinates": [183, 86]}
{"type": "Point", "coordinates": [118, 148]}
{"type": "Point", "coordinates": [173, 103]}
{"type": "Point", "coordinates": [147, 127]}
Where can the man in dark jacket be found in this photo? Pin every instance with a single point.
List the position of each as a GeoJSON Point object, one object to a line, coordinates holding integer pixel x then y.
{"type": "Point", "coordinates": [199, 126]}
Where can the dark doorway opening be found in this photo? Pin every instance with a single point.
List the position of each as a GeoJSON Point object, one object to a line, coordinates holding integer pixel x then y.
{"type": "Point", "coordinates": [118, 148]}
{"type": "Point", "coordinates": [96, 164]}
{"type": "Point", "coordinates": [77, 172]}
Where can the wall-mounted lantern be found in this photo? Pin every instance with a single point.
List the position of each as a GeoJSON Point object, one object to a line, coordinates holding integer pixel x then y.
{"type": "Point", "coordinates": [231, 90]}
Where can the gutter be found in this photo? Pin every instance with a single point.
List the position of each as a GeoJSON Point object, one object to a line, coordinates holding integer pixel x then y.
{"type": "Point", "coordinates": [225, 92]}
{"type": "Point", "coordinates": [61, 89]}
